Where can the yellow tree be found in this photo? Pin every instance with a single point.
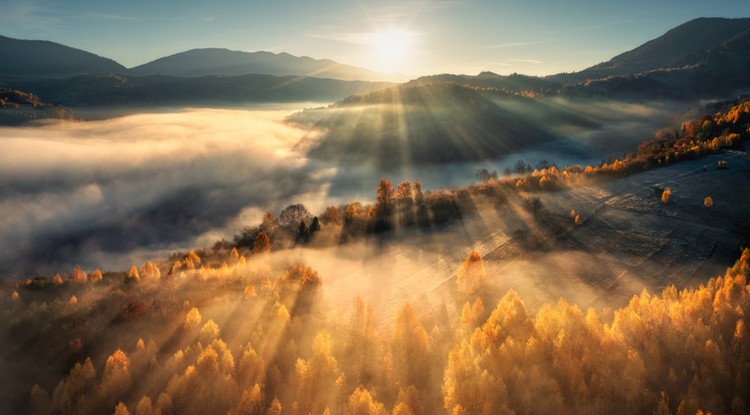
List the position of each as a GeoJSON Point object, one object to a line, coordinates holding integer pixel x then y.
{"type": "Point", "coordinates": [331, 216]}
{"type": "Point", "coordinates": [471, 276]}
{"type": "Point", "coordinates": [384, 197]}
{"type": "Point", "coordinates": [666, 195]}
{"type": "Point", "coordinates": [411, 349]}
{"type": "Point", "coordinates": [362, 403]}
{"type": "Point", "coordinates": [262, 243]}
{"type": "Point", "coordinates": [133, 275]}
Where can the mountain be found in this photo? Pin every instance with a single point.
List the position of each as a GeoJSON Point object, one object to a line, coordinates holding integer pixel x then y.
{"type": "Point", "coordinates": [203, 62]}
{"type": "Point", "coordinates": [108, 89]}
{"type": "Point", "coordinates": [703, 58]}
{"type": "Point", "coordinates": [423, 124]}
{"type": "Point", "coordinates": [39, 58]}
{"type": "Point", "coordinates": [675, 49]}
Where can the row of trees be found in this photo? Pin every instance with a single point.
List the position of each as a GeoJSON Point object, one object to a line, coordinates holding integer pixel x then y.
{"type": "Point", "coordinates": [395, 207]}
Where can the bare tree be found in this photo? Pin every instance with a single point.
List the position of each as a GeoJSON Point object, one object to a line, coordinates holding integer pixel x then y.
{"type": "Point", "coordinates": [292, 215]}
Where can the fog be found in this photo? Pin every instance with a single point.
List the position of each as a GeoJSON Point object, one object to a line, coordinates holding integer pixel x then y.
{"type": "Point", "coordinates": [115, 192]}
{"type": "Point", "coordinates": [85, 192]}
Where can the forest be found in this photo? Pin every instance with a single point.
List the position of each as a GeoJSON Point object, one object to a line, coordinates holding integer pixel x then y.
{"type": "Point", "coordinates": [248, 338]}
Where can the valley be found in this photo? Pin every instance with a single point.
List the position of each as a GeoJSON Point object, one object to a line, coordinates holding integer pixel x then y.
{"type": "Point", "coordinates": [217, 222]}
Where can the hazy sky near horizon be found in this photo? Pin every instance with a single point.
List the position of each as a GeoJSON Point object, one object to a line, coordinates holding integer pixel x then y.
{"type": "Point", "coordinates": [535, 37]}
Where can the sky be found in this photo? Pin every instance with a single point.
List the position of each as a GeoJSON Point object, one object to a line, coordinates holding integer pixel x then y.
{"type": "Point", "coordinates": [534, 37]}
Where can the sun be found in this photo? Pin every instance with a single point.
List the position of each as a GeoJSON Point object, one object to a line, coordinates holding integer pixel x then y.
{"type": "Point", "coordinates": [392, 49]}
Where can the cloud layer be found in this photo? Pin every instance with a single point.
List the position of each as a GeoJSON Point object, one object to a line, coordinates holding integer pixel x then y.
{"type": "Point", "coordinates": [84, 192]}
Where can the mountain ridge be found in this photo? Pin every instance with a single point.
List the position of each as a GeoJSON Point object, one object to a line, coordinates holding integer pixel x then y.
{"type": "Point", "coordinates": [43, 58]}
{"type": "Point", "coordinates": [673, 47]}
{"type": "Point", "coordinates": [201, 62]}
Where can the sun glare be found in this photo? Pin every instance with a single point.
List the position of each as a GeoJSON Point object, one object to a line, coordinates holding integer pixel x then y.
{"type": "Point", "coordinates": [392, 48]}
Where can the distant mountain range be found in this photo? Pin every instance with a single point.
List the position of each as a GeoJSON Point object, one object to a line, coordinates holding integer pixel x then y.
{"type": "Point", "coordinates": [66, 76]}
{"type": "Point", "coordinates": [703, 58]}
{"type": "Point", "coordinates": [27, 58]}
{"type": "Point", "coordinates": [684, 46]}
{"type": "Point", "coordinates": [204, 62]}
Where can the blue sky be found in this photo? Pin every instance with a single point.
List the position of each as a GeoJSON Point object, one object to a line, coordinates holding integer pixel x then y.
{"type": "Point", "coordinates": [536, 37]}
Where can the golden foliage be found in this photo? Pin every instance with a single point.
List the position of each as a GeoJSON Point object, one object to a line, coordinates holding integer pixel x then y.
{"type": "Point", "coordinates": [150, 271]}
{"type": "Point", "coordinates": [121, 409]}
{"type": "Point", "coordinates": [194, 258]}
{"type": "Point", "coordinates": [262, 244]}
{"type": "Point", "coordinates": [234, 256]}
{"type": "Point", "coordinates": [708, 201]}
{"type": "Point", "coordinates": [193, 318]}
{"type": "Point", "coordinates": [96, 276]}
{"type": "Point", "coordinates": [666, 195]}
{"type": "Point", "coordinates": [133, 275]}
{"type": "Point", "coordinates": [78, 276]}
{"type": "Point", "coordinates": [677, 352]}
{"type": "Point", "coordinates": [331, 216]}
{"type": "Point", "coordinates": [471, 276]}
{"type": "Point", "coordinates": [361, 403]}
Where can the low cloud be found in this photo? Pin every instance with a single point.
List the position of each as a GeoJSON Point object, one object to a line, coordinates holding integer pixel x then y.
{"type": "Point", "coordinates": [122, 191]}
{"type": "Point", "coordinates": [91, 191]}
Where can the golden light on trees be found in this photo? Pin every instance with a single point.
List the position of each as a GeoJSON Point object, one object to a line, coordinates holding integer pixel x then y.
{"type": "Point", "coordinates": [193, 318]}
{"type": "Point", "coordinates": [331, 216]}
{"type": "Point", "coordinates": [262, 244]}
{"type": "Point", "coordinates": [666, 196]}
{"type": "Point", "coordinates": [384, 197]}
{"type": "Point", "coordinates": [96, 276]}
{"type": "Point", "coordinates": [150, 271]}
{"type": "Point", "coordinates": [708, 201]}
{"type": "Point", "coordinates": [78, 276]}
{"type": "Point", "coordinates": [133, 275]}
{"type": "Point", "coordinates": [194, 258]}
{"type": "Point", "coordinates": [471, 275]}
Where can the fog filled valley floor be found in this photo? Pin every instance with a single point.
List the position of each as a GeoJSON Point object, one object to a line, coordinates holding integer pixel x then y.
{"type": "Point", "coordinates": [617, 288]}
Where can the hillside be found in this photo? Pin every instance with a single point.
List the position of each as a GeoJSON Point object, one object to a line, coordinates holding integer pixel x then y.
{"type": "Point", "coordinates": [419, 124]}
{"type": "Point", "coordinates": [116, 89]}
{"type": "Point", "coordinates": [706, 58]}
{"type": "Point", "coordinates": [18, 107]}
{"type": "Point", "coordinates": [676, 48]}
{"type": "Point", "coordinates": [37, 58]}
{"type": "Point", "coordinates": [204, 62]}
